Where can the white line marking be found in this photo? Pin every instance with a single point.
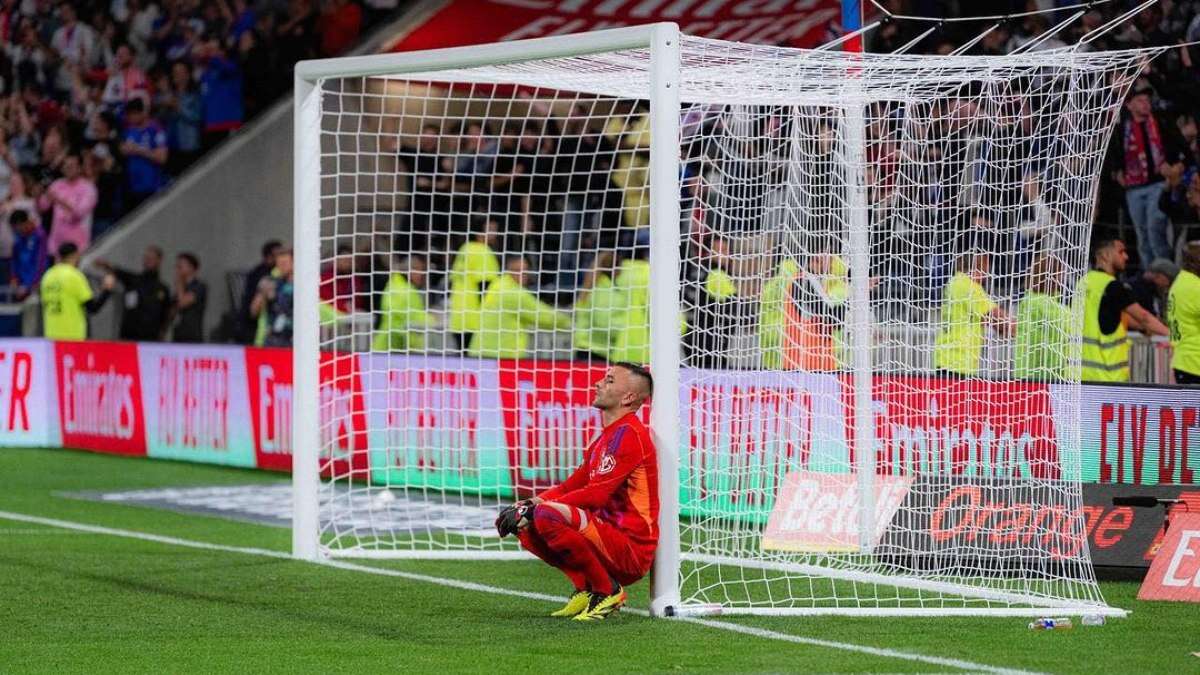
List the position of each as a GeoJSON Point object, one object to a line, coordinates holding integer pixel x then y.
{"type": "Point", "coordinates": [484, 588]}
{"type": "Point", "coordinates": [13, 531]}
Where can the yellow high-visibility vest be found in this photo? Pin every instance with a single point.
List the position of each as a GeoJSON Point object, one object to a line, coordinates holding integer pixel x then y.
{"type": "Point", "coordinates": [1104, 358]}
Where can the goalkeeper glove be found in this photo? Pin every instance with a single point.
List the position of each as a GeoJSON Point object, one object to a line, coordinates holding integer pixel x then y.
{"type": "Point", "coordinates": [512, 517]}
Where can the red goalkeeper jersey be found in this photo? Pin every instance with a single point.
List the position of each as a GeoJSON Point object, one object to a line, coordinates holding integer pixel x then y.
{"type": "Point", "coordinates": [618, 483]}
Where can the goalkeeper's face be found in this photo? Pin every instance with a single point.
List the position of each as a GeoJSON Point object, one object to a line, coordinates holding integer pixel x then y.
{"type": "Point", "coordinates": [618, 389]}
{"type": "Point", "coordinates": [614, 390]}
{"type": "Point", "coordinates": [605, 397]}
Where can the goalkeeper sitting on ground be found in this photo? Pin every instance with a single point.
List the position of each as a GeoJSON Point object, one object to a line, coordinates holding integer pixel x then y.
{"type": "Point", "coordinates": [600, 526]}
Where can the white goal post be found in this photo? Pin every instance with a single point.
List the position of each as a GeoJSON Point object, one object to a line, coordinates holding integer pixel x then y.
{"type": "Point", "coordinates": [822, 247]}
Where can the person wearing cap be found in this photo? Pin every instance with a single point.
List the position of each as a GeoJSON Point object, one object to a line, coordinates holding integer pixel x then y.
{"type": "Point", "coordinates": [1148, 147]}
{"type": "Point", "coordinates": [1183, 318]}
{"type": "Point", "coordinates": [1151, 289]}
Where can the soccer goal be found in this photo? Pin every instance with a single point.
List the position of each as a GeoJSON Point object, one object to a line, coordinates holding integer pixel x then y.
{"type": "Point", "coordinates": [852, 276]}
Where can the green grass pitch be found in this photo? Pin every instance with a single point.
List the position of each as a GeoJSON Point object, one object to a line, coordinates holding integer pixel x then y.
{"type": "Point", "coordinates": [83, 602]}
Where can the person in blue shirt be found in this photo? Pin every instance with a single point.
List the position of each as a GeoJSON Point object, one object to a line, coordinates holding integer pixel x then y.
{"type": "Point", "coordinates": [29, 254]}
{"type": "Point", "coordinates": [220, 93]}
{"type": "Point", "coordinates": [144, 144]}
{"type": "Point", "coordinates": [184, 119]}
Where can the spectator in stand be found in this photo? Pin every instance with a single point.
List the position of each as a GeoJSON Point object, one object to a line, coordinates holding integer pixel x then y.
{"type": "Point", "coordinates": [126, 82]}
{"type": "Point", "coordinates": [421, 162]}
{"type": "Point", "coordinates": [1183, 316]}
{"type": "Point", "coordinates": [24, 141]}
{"type": "Point", "coordinates": [17, 199]}
{"type": "Point", "coordinates": [220, 92]}
{"type": "Point", "coordinates": [28, 55]}
{"type": "Point", "coordinates": [1109, 306]}
{"type": "Point", "coordinates": [340, 286]}
{"type": "Point", "coordinates": [142, 16]}
{"type": "Point", "coordinates": [147, 299]}
{"type": "Point", "coordinates": [144, 145]}
{"type": "Point", "coordinates": [29, 257]}
{"type": "Point", "coordinates": [966, 308]}
{"type": "Point", "coordinates": [259, 65]}
{"type": "Point", "coordinates": [273, 300]}
{"type": "Point", "coordinates": [403, 319]}
{"type": "Point", "coordinates": [190, 300]}
{"type": "Point", "coordinates": [71, 199]}
{"type": "Point", "coordinates": [67, 297]}
{"type": "Point", "coordinates": [54, 153]}
{"type": "Point", "coordinates": [75, 44]}
{"type": "Point", "coordinates": [297, 31]}
{"type": "Point", "coordinates": [339, 26]}
{"type": "Point", "coordinates": [509, 312]}
{"type": "Point", "coordinates": [1148, 148]}
{"type": "Point", "coordinates": [262, 270]}
{"type": "Point", "coordinates": [184, 119]}
{"type": "Point", "coordinates": [101, 165]}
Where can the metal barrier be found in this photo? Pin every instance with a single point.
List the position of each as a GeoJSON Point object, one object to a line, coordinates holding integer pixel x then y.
{"type": "Point", "coordinates": [1150, 359]}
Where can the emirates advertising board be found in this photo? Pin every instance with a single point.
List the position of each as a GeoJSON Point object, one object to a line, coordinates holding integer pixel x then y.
{"type": "Point", "coordinates": [523, 425]}
{"type": "Point", "coordinates": [774, 448]}
{"type": "Point", "coordinates": [100, 397]}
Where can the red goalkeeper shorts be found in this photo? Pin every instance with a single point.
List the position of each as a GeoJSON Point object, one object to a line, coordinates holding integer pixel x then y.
{"type": "Point", "coordinates": [621, 557]}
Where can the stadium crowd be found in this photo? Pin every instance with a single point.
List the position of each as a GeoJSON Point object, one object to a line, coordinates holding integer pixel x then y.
{"type": "Point", "coordinates": [103, 102]}
{"type": "Point", "coordinates": [508, 224]}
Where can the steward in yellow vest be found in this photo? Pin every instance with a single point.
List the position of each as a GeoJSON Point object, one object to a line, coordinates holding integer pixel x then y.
{"type": "Point", "coordinates": [1045, 332]}
{"type": "Point", "coordinates": [1109, 309]}
{"type": "Point", "coordinates": [475, 264]}
{"type": "Point", "coordinates": [403, 320]}
{"type": "Point", "coordinates": [508, 313]}
{"type": "Point", "coordinates": [966, 307]}
{"type": "Point", "coordinates": [1183, 317]}
{"type": "Point", "coordinates": [67, 297]}
{"type": "Point", "coordinates": [599, 312]}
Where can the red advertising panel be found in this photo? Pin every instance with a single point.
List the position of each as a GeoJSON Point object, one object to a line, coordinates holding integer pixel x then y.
{"type": "Point", "coordinates": [343, 419]}
{"type": "Point", "coordinates": [797, 23]}
{"type": "Point", "coordinates": [1175, 573]}
{"type": "Point", "coordinates": [99, 397]}
{"type": "Point", "coordinates": [269, 380]}
{"type": "Point", "coordinates": [548, 419]}
{"type": "Point", "coordinates": [945, 426]}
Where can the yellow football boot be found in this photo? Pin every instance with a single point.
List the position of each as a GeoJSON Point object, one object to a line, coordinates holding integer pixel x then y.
{"type": "Point", "coordinates": [577, 604]}
{"type": "Point", "coordinates": [601, 605]}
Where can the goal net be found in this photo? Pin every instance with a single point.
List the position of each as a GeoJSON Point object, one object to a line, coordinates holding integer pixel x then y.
{"type": "Point", "coordinates": [854, 277]}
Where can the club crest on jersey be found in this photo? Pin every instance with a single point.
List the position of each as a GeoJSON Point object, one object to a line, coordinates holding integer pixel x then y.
{"type": "Point", "coordinates": [607, 464]}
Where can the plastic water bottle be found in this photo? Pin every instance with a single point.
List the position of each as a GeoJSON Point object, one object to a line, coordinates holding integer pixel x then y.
{"type": "Point", "coordinates": [1052, 624]}
{"type": "Point", "coordinates": [1092, 620]}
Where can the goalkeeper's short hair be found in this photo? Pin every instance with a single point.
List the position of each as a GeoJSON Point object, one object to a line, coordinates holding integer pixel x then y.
{"type": "Point", "coordinates": [641, 372]}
